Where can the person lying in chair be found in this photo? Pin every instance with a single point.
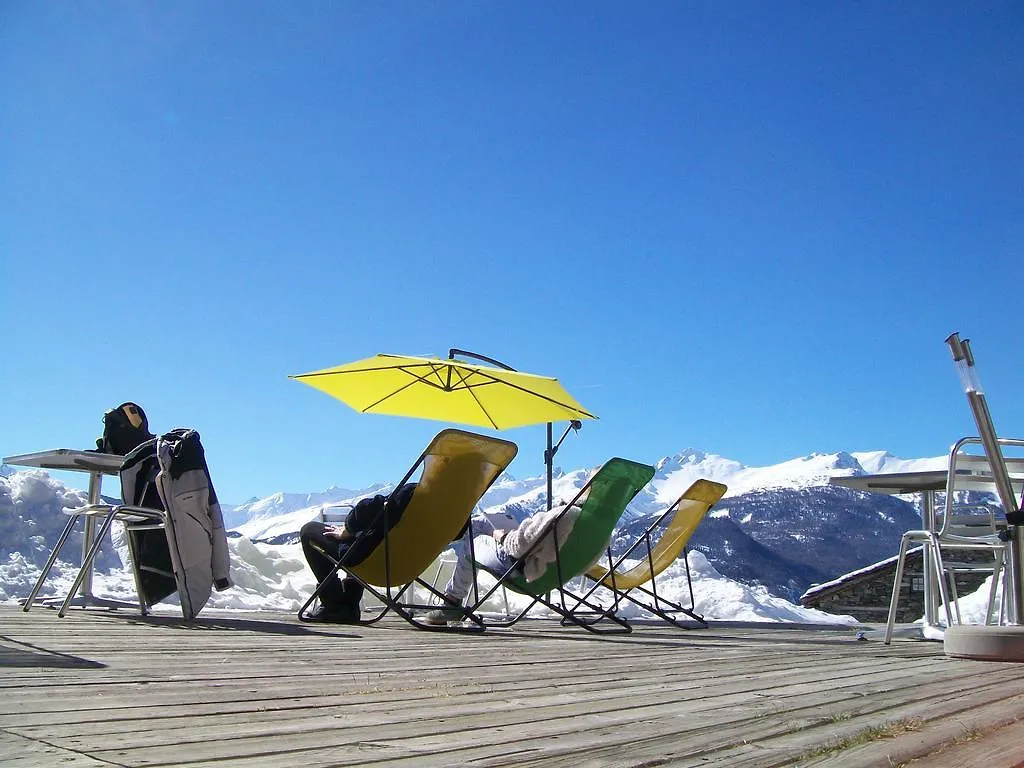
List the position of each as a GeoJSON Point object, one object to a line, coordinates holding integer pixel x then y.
{"type": "Point", "coordinates": [351, 543]}
{"type": "Point", "coordinates": [497, 550]}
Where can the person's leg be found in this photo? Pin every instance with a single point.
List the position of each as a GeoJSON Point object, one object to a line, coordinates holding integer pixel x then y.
{"type": "Point", "coordinates": [352, 590]}
{"type": "Point", "coordinates": [461, 582]}
{"type": "Point", "coordinates": [314, 544]}
{"type": "Point", "coordinates": [490, 555]}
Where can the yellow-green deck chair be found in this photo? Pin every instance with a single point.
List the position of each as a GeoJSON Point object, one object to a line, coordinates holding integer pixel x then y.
{"type": "Point", "coordinates": [602, 501]}
{"type": "Point", "coordinates": [629, 583]}
{"type": "Point", "coordinates": [457, 469]}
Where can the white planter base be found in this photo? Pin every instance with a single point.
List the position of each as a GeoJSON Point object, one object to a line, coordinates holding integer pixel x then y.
{"type": "Point", "coordinates": [984, 643]}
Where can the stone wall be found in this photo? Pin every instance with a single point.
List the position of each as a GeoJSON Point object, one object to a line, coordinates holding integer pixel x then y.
{"type": "Point", "coordinates": [866, 596]}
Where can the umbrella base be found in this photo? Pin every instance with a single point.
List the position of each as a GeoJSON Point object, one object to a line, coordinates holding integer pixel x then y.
{"type": "Point", "coordinates": [984, 643]}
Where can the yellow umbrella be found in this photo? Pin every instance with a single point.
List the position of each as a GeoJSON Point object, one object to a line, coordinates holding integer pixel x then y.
{"type": "Point", "coordinates": [447, 390]}
{"type": "Point", "coordinates": [451, 390]}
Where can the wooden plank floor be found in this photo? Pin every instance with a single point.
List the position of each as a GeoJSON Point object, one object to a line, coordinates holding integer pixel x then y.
{"type": "Point", "coordinates": [264, 691]}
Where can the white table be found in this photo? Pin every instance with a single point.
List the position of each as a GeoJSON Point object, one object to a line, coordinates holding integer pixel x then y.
{"type": "Point", "coordinates": [974, 475]}
{"type": "Point", "coordinates": [96, 465]}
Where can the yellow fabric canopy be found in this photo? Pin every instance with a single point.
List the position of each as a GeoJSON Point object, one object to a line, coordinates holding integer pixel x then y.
{"type": "Point", "coordinates": [447, 390]}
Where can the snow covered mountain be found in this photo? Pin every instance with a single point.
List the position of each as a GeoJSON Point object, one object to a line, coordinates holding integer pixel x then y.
{"type": "Point", "coordinates": [281, 513]}
{"type": "Point", "coordinates": [782, 527]}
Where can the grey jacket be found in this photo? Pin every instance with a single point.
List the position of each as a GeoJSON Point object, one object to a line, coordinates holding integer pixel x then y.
{"type": "Point", "coordinates": [190, 556]}
{"type": "Point", "coordinates": [195, 534]}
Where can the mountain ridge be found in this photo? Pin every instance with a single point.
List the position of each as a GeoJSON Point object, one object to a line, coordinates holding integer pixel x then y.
{"type": "Point", "coordinates": [783, 526]}
{"type": "Point", "coordinates": [673, 474]}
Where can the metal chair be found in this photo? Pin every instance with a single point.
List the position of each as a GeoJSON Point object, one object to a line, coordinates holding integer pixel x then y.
{"type": "Point", "coordinates": [173, 526]}
{"type": "Point", "coordinates": [963, 527]}
{"type": "Point", "coordinates": [135, 517]}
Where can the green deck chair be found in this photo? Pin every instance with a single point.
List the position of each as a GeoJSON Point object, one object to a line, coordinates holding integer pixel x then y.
{"type": "Point", "coordinates": [602, 501]}
{"type": "Point", "coordinates": [629, 583]}
{"type": "Point", "coordinates": [457, 469]}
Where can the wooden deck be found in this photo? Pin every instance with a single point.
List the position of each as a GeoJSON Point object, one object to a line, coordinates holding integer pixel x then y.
{"type": "Point", "coordinates": [264, 691]}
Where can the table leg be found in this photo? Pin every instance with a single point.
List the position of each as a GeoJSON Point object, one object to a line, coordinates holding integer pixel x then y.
{"type": "Point", "coordinates": [931, 589]}
{"type": "Point", "coordinates": [1013, 598]}
{"type": "Point", "coordinates": [95, 483]}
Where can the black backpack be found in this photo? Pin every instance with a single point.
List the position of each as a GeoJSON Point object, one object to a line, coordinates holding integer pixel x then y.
{"type": "Point", "coordinates": [124, 429]}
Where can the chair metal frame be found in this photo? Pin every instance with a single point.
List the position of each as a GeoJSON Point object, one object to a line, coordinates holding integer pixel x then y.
{"type": "Point", "coordinates": [137, 517]}
{"type": "Point", "coordinates": [440, 561]}
{"type": "Point", "coordinates": [658, 604]}
{"type": "Point", "coordinates": [444, 560]}
{"type": "Point", "coordinates": [393, 594]}
{"type": "Point", "coordinates": [955, 533]}
{"type": "Point", "coordinates": [134, 518]}
{"type": "Point", "coordinates": [512, 578]}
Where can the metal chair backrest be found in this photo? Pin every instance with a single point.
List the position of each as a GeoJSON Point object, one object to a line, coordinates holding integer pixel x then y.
{"type": "Point", "coordinates": [970, 472]}
{"type": "Point", "coordinates": [981, 522]}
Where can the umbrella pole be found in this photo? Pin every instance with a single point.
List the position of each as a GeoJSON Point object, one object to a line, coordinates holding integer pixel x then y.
{"type": "Point", "coordinates": [549, 461]}
{"type": "Point", "coordinates": [549, 454]}
{"type": "Point", "coordinates": [551, 450]}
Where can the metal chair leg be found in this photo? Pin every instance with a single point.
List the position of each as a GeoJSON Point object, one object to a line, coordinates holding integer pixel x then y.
{"type": "Point", "coordinates": [897, 583]}
{"type": "Point", "coordinates": [955, 594]}
{"type": "Point", "coordinates": [87, 562]}
{"type": "Point", "coordinates": [997, 571]}
{"type": "Point", "coordinates": [940, 570]}
{"type": "Point", "coordinates": [49, 563]}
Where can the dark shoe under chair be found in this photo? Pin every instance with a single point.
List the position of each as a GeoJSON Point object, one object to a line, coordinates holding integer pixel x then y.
{"type": "Point", "coordinates": [341, 614]}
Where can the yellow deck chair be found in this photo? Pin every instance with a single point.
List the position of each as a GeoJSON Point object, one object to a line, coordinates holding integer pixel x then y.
{"type": "Point", "coordinates": [457, 469]}
{"type": "Point", "coordinates": [627, 584]}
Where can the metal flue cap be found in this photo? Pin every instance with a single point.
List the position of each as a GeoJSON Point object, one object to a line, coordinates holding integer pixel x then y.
{"type": "Point", "coordinates": [956, 346]}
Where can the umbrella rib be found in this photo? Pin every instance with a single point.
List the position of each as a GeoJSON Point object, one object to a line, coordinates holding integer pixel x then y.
{"type": "Point", "coordinates": [469, 388]}
{"type": "Point", "coordinates": [329, 372]}
{"type": "Point", "coordinates": [416, 379]}
{"type": "Point", "coordinates": [388, 396]}
{"type": "Point", "coordinates": [532, 393]}
{"type": "Point", "coordinates": [404, 368]}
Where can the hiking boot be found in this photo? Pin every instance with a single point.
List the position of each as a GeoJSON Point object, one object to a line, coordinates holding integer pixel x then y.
{"type": "Point", "coordinates": [450, 610]}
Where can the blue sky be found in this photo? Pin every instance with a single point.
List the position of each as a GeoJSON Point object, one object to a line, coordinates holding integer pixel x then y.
{"type": "Point", "coordinates": [743, 227]}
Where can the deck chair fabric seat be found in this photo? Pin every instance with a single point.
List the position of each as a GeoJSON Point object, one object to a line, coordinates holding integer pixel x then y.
{"type": "Point", "coordinates": [686, 514]}
{"type": "Point", "coordinates": [602, 500]}
{"type": "Point", "coordinates": [457, 469]}
{"type": "Point", "coordinates": [652, 558]}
